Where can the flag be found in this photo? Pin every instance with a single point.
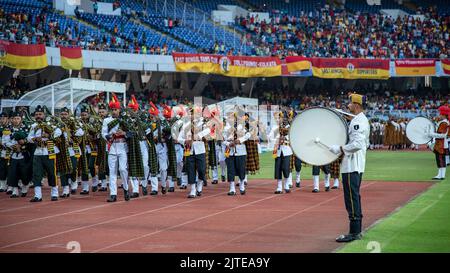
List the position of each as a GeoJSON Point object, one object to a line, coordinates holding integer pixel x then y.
{"type": "Point", "coordinates": [231, 66]}
{"type": "Point", "coordinates": [445, 63]}
{"type": "Point", "coordinates": [297, 63]}
{"type": "Point", "coordinates": [334, 68]}
{"type": "Point", "coordinates": [21, 56]}
{"type": "Point", "coordinates": [415, 67]}
{"type": "Point", "coordinates": [71, 58]}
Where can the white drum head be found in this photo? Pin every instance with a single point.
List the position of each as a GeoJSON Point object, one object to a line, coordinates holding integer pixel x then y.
{"type": "Point", "coordinates": [320, 124]}
{"type": "Point", "coordinates": [417, 130]}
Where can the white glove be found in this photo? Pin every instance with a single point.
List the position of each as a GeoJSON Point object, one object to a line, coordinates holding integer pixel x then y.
{"type": "Point", "coordinates": [335, 149]}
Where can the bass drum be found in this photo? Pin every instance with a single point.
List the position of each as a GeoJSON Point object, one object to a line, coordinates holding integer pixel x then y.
{"type": "Point", "coordinates": [315, 128]}
{"type": "Point", "coordinates": [417, 130]}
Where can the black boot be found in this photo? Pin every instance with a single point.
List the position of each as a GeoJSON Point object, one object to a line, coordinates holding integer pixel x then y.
{"type": "Point", "coordinates": [112, 198]}
{"type": "Point", "coordinates": [126, 195]}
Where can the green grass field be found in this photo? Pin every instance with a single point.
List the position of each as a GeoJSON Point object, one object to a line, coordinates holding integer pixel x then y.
{"type": "Point", "coordinates": [422, 225]}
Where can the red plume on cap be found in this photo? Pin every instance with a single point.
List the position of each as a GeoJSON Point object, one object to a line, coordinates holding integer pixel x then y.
{"type": "Point", "coordinates": [114, 103]}
{"type": "Point", "coordinates": [167, 111]}
{"type": "Point", "coordinates": [444, 110]}
{"type": "Point", "coordinates": [181, 111]}
{"type": "Point", "coordinates": [133, 104]}
{"type": "Point", "coordinates": [153, 109]}
{"type": "Point", "coordinates": [215, 112]}
{"type": "Point", "coordinates": [206, 112]}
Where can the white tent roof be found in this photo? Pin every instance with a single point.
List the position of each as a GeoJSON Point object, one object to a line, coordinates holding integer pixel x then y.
{"type": "Point", "coordinates": [69, 93]}
{"type": "Point", "coordinates": [228, 105]}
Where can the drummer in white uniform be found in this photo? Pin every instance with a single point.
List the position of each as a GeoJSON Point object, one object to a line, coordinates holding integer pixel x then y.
{"type": "Point", "coordinates": [353, 166]}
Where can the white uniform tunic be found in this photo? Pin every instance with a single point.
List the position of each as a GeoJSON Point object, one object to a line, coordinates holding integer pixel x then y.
{"type": "Point", "coordinates": [355, 151]}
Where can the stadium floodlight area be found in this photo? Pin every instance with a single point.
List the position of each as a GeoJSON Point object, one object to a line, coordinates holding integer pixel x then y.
{"type": "Point", "coordinates": [69, 93]}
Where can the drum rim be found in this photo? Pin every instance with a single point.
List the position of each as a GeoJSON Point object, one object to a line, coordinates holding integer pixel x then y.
{"type": "Point", "coordinates": [340, 115]}
{"type": "Point", "coordinates": [406, 129]}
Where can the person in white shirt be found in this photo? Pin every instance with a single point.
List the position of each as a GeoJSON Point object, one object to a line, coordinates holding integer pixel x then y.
{"type": "Point", "coordinates": [353, 166]}
{"type": "Point", "coordinates": [282, 153]}
{"type": "Point", "coordinates": [236, 152]}
{"type": "Point", "coordinates": [44, 158]}
{"type": "Point", "coordinates": [191, 136]}
{"type": "Point", "coordinates": [117, 148]}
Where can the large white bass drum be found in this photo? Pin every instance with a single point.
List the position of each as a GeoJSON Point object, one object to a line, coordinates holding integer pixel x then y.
{"type": "Point", "coordinates": [313, 131]}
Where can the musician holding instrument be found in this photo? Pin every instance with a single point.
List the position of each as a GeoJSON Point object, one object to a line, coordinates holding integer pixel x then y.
{"type": "Point", "coordinates": [282, 152]}
{"type": "Point", "coordinates": [195, 151]}
{"type": "Point", "coordinates": [440, 148]}
{"type": "Point", "coordinates": [4, 131]}
{"type": "Point", "coordinates": [71, 154]}
{"type": "Point", "coordinates": [20, 162]}
{"type": "Point", "coordinates": [44, 159]}
{"type": "Point", "coordinates": [113, 131]}
{"type": "Point", "coordinates": [236, 155]}
{"type": "Point", "coordinates": [353, 165]}
{"type": "Point", "coordinates": [102, 155]}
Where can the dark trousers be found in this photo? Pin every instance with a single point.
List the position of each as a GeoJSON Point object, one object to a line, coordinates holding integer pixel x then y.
{"type": "Point", "coordinates": [72, 175]}
{"type": "Point", "coordinates": [282, 166]}
{"type": "Point", "coordinates": [236, 167]}
{"type": "Point", "coordinates": [3, 169]}
{"type": "Point", "coordinates": [43, 165]}
{"type": "Point", "coordinates": [19, 169]}
{"type": "Point", "coordinates": [440, 160]}
{"type": "Point", "coordinates": [298, 164]}
{"type": "Point", "coordinates": [196, 164]}
{"type": "Point", "coordinates": [351, 183]}
{"type": "Point", "coordinates": [91, 167]}
{"type": "Point", "coordinates": [316, 169]}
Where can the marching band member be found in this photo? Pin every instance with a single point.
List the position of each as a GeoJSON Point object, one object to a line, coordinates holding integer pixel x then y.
{"type": "Point", "coordinates": [20, 162]}
{"type": "Point", "coordinates": [113, 132]}
{"type": "Point", "coordinates": [353, 166]}
{"type": "Point", "coordinates": [163, 160]}
{"type": "Point", "coordinates": [236, 153]}
{"type": "Point", "coordinates": [102, 156]}
{"type": "Point", "coordinates": [191, 137]}
{"type": "Point", "coordinates": [282, 152]}
{"type": "Point", "coordinates": [251, 146]}
{"type": "Point", "coordinates": [43, 134]}
{"type": "Point", "coordinates": [170, 143]}
{"type": "Point", "coordinates": [4, 132]}
{"type": "Point", "coordinates": [91, 148]}
{"type": "Point", "coordinates": [440, 148]}
{"type": "Point", "coordinates": [70, 153]}
{"type": "Point", "coordinates": [135, 136]}
{"type": "Point", "coordinates": [152, 137]}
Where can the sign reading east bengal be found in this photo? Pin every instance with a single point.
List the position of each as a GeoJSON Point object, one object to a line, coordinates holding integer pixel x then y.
{"type": "Point", "coordinates": [232, 66]}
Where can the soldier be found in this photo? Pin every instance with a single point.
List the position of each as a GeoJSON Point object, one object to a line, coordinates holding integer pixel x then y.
{"type": "Point", "coordinates": [282, 152]}
{"type": "Point", "coordinates": [114, 132]}
{"type": "Point", "coordinates": [44, 158]}
{"type": "Point", "coordinates": [70, 152]}
{"type": "Point", "coordinates": [91, 128]}
{"type": "Point", "coordinates": [135, 156]}
{"type": "Point", "coordinates": [20, 162]}
{"type": "Point", "coordinates": [353, 166]}
{"type": "Point", "coordinates": [4, 132]}
{"type": "Point", "coordinates": [152, 137]}
{"type": "Point", "coordinates": [440, 148]}
{"type": "Point", "coordinates": [236, 152]}
{"type": "Point", "coordinates": [102, 156]}
{"type": "Point", "coordinates": [191, 136]}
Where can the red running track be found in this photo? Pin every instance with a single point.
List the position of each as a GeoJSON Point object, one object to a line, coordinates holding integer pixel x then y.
{"type": "Point", "coordinates": [259, 221]}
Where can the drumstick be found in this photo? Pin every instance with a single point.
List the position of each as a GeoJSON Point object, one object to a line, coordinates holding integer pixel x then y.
{"type": "Point", "coordinates": [317, 141]}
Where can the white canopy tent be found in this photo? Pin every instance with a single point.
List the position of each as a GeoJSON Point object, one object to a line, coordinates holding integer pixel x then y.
{"type": "Point", "coordinates": [69, 93]}
{"type": "Point", "coordinates": [228, 105]}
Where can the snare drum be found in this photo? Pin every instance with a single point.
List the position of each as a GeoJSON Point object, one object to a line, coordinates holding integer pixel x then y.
{"type": "Point", "coordinates": [313, 130]}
